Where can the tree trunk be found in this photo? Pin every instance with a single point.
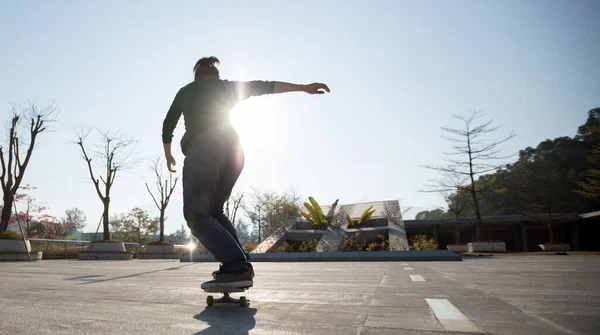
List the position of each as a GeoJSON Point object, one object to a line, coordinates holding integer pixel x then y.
{"type": "Point", "coordinates": [6, 211]}
{"type": "Point", "coordinates": [456, 231]}
{"type": "Point", "coordinates": [259, 220]}
{"type": "Point", "coordinates": [474, 193]}
{"type": "Point", "coordinates": [105, 221]}
{"type": "Point", "coordinates": [162, 225]}
{"type": "Point", "coordinates": [457, 210]}
{"type": "Point", "coordinates": [550, 231]}
{"type": "Point", "coordinates": [477, 211]}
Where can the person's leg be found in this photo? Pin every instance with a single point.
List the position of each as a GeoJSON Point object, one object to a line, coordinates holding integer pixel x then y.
{"type": "Point", "coordinates": [205, 159]}
{"type": "Point", "coordinates": [228, 225]}
{"type": "Point", "coordinates": [231, 173]}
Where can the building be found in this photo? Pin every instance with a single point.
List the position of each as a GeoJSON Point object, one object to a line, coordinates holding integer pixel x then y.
{"type": "Point", "coordinates": [520, 233]}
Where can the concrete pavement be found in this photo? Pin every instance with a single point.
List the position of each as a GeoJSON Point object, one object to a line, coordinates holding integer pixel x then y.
{"type": "Point", "coordinates": [516, 295]}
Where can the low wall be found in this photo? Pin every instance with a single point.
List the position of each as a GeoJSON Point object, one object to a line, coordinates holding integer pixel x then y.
{"type": "Point", "coordinates": [351, 256]}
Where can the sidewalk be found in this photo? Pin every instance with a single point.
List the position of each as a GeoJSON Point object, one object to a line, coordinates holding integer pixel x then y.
{"type": "Point", "coordinates": [516, 295]}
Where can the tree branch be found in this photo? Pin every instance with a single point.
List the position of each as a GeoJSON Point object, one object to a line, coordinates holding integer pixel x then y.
{"type": "Point", "coordinates": [153, 198]}
{"type": "Point", "coordinates": [171, 189]}
{"type": "Point", "coordinates": [445, 169]}
{"type": "Point", "coordinates": [38, 118]}
{"type": "Point", "coordinates": [3, 168]}
{"type": "Point", "coordinates": [11, 141]}
{"type": "Point", "coordinates": [89, 164]}
{"type": "Point", "coordinates": [17, 161]}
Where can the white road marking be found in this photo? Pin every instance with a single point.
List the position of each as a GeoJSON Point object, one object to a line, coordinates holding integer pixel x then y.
{"type": "Point", "coordinates": [417, 278]}
{"type": "Point", "coordinates": [450, 317]}
{"type": "Point", "coordinates": [408, 268]}
{"type": "Point", "coordinates": [403, 264]}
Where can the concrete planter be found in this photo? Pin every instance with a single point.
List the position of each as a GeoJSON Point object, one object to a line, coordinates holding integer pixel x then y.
{"type": "Point", "coordinates": [379, 222]}
{"type": "Point", "coordinates": [15, 246]}
{"type": "Point", "coordinates": [458, 247]}
{"type": "Point", "coordinates": [555, 247]}
{"type": "Point", "coordinates": [300, 235]}
{"type": "Point", "coordinates": [159, 252]}
{"type": "Point", "coordinates": [160, 249]}
{"type": "Point", "coordinates": [303, 225]}
{"type": "Point", "coordinates": [111, 247]}
{"type": "Point", "coordinates": [487, 246]}
{"type": "Point", "coordinates": [106, 251]}
{"type": "Point", "coordinates": [16, 250]}
{"type": "Point", "coordinates": [367, 233]}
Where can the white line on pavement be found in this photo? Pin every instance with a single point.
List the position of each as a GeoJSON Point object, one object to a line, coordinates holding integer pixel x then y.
{"type": "Point", "coordinates": [408, 268]}
{"type": "Point", "coordinates": [450, 317]}
{"type": "Point", "coordinates": [417, 278]}
{"type": "Point", "coordinates": [403, 264]}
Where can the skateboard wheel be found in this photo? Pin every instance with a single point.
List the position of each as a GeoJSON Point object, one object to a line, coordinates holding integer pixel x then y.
{"type": "Point", "coordinates": [209, 300]}
{"type": "Point", "coordinates": [243, 301]}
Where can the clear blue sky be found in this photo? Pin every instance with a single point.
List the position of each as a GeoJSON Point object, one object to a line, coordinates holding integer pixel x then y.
{"type": "Point", "coordinates": [398, 70]}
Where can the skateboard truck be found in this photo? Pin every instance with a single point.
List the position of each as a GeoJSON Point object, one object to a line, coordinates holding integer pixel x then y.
{"type": "Point", "coordinates": [227, 299]}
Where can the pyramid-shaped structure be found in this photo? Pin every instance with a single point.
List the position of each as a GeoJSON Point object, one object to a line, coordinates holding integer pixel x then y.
{"type": "Point", "coordinates": [386, 220]}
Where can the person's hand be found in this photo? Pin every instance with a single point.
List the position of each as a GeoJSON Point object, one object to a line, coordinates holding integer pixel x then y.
{"type": "Point", "coordinates": [316, 88]}
{"type": "Point", "coordinates": [171, 163]}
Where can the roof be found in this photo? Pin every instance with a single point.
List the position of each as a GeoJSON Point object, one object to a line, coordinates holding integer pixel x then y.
{"type": "Point", "coordinates": [569, 217]}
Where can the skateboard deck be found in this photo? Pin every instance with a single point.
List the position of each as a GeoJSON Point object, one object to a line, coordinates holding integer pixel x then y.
{"type": "Point", "coordinates": [226, 298]}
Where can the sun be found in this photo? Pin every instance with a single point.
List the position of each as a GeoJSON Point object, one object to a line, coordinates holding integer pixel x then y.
{"type": "Point", "coordinates": [256, 120]}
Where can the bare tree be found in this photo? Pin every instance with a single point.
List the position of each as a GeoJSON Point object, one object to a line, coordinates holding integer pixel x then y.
{"type": "Point", "coordinates": [74, 217]}
{"type": "Point", "coordinates": [165, 190]}
{"type": "Point", "coordinates": [256, 210]}
{"type": "Point", "coordinates": [454, 187]}
{"type": "Point", "coordinates": [115, 155]}
{"type": "Point", "coordinates": [280, 208]}
{"type": "Point", "coordinates": [472, 155]}
{"type": "Point", "coordinates": [12, 160]}
{"type": "Point", "coordinates": [233, 203]}
{"type": "Point", "coordinates": [269, 211]}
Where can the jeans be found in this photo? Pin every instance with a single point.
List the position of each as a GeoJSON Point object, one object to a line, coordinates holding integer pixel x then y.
{"type": "Point", "coordinates": [213, 162]}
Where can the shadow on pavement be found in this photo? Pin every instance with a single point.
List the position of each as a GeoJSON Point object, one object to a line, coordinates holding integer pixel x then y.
{"type": "Point", "coordinates": [86, 279]}
{"type": "Point", "coordinates": [227, 320]}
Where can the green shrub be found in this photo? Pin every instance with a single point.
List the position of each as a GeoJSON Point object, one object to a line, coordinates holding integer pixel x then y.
{"type": "Point", "coordinates": [350, 243]}
{"type": "Point", "coordinates": [314, 214]}
{"type": "Point", "coordinates": [10, 235]}
{"type": "Point", "coordinates": [298, 246]}
{"type": "Point", "coordinates": [420, 242]}
{"type": "Point", "coordinates": [364, 217]}
{"type": "Point", "coordinates": [249, 246]}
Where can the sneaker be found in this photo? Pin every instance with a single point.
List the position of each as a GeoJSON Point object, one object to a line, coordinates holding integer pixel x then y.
{"type": "Point", "coordinates": [251, 269]}
{"type": "Point", "coordinates": [236, 279]}
{"type": "Point", "coordinates": [218, 272]}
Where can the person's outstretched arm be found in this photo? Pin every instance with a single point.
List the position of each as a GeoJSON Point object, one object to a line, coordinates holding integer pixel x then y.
{"type": "Point", "coordinates": [315, 88]}
{"type": "Point", "coordinates": [242, 90]}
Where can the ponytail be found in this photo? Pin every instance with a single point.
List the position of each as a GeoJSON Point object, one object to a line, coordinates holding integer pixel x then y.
{"type": "Point", "coordinates": [206, 66]}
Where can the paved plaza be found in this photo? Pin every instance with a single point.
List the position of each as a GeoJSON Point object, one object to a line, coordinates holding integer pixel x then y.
{"type": "Point", "coordinates": [504, 295]}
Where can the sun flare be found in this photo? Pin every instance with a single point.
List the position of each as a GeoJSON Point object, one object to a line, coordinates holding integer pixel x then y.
{"type": "Point", "coordinates": [256, 121]}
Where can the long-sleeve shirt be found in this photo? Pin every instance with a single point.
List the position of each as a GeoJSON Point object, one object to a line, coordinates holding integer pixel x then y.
{"type": "Point", "coordinates": [206, 103]}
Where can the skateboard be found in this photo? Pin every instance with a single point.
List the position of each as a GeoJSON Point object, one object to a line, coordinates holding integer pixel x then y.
{"type": "Point", "coordinates": [227, 299]}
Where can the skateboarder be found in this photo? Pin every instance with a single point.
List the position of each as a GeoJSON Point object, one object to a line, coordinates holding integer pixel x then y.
{"type": "Point", "coordinates": [214, 160]}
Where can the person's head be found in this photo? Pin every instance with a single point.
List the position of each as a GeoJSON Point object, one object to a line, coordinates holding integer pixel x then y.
{"type": "Point", "coordinates": [206, 67]}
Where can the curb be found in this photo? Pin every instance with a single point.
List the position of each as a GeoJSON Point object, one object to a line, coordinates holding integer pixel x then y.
{"type": "Point", "coordinates": [353, 256]}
